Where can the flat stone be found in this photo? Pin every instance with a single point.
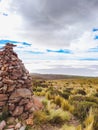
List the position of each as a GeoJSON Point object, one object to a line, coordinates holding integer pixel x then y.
{"type": "Point", "coordinates": [11, 107]}
{"type": "Point", "coordinates": [3, 68]}
{"type": "Point", "coordinates": [3, 97]}
{"type": "Point", "coordinates": [8, 81]}
{"type": "Point", "coordinates": [11, 126]}
{"type": "Point", "coordinates": [4, 87]}
{"type": "Point", "coordinates": [22, 92]}
{"type": "Point", "coordinates": [23, 127]}
{"type": "Point", "coordinates": [29, 121]}
{"type": "Point", "coordinates": [18, 125]}
{"type": "Point", "coordinates": [2, 125]}
{"type": "Point", "coordinates": [25, 77]}
{"type": "Point", "coordinates": [10, 120]}
{"type": "Point", "coordinates": [18, 111]}
{"type": "Point", "coordinates": [0, 78]}
{"type": "Point", "coordinates": [14, 100]}
{"type": "Point", "coordinates": [29, 105]}
{"type": "Point", "coordinates": [10, 129]}
{"type": "Point", "coordinates": [1, 72]}
{"type": "Point", "coordinates": [1, 84]}
{"type": "Point", "coordinates": [23, 101]}
{"type": "Point", "coordinates": [24, 115]}
{"type": "Point", "coordinates": [21, 81]}
{"type": "Point", "coordinates": [11, 88]}
{"type": "Point", "coordinates": [37, 104]}
{"type": "Point", "coordinates": [2, 104]}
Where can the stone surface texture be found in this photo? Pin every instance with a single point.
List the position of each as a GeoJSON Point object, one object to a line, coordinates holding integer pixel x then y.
{"type": "Point", "coordinates": [15, 84]}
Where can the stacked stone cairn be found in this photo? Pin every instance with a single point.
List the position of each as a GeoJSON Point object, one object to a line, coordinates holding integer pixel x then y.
{"type": "Point", "coordinates": [16, 94]}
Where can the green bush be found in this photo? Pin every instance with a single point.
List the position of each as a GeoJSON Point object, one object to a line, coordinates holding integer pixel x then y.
{"type": "Point", "coordinates": [95, 125]}
{"type": "Point", "coordinates": [49, 96]}
{"type": "Point", "coordinates": [80, 91]}
{"type": "Point", "coordinates": [38, 89]}
{"type": "Point", "coordinates": [68, 127]}
{"type": "Point", "coordinates": [82, 108]}
{"type": "Point", "coordinates": [40, 117]}
{"type": "Point", "coordinates": [45, 102]}
{"type": "Point", "coordinates": [78, 98]}
{"type": "Point", "coordinates": [65, 105]}
{"type": "Point", "coordinates": [92, 99]}
{"type": "Point", "coordinates": [68, 90]}
{"type": "Point", "coordinates": [58, 100]}
{"type": "Point", "coordinates": [58, 116]}
{"type": "Point", "coordinates": [65, 95]}
{"type": "Point", "coordinates": [96, 94]}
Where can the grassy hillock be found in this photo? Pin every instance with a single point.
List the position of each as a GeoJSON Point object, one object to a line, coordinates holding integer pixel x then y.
{"type": "Point", "coordinates": [69, 104]}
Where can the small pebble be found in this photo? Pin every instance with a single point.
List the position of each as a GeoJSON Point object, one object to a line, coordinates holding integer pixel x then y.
{"type": "Point", "coordinates": [2, 125]}
{"type": "Point", "coordinates": [23, 128]}
{"type": "Point", "coordinates": [18, 125]}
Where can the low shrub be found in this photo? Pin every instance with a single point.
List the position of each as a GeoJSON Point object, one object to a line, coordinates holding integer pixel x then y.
{"type": "Point", "coordinates": [65, 95]}
{"type": "Point", "coordinates": [67, 127]}
{"type": "Point", "coordinates": [38, 89]}
{"type": "Point", "coordinates": [68, 90]}
{"type": "Point", "coordinates": [82, 108]}
{"type": "Point", "coordinates": [45, 102]}
{"type": "Point", "coordinates": [95, 125]}
{"type": "Point", "coordinates": [65, 105]}
{"type": "Point", "coordinates": [96, 94]}
{"type": "Point", "coordinates": [40, 117]}
{"type": "Point", "coordinates": [89, 121]}
{"type": "Point", "coordinates": [58, 100]}
{"type": "Point", "coordinates": [92, 99]}
{"type": "Point", "coordinates": [78, 98]}
{"type": "Point", "coordinates": [58, 116]}
{"type": "Point", "coordinates": [48, 96]}
{"type": "Point", "coordinates": [80, 91]}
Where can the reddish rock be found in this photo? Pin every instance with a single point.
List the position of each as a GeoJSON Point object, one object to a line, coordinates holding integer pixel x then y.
{"type": "Point", "coordinates": [8, 81]}
{"type": "Point", "coordinates": [11, 120]}
{"type": "Point", "coordinates": [29, 121]}
{"type": "Point", "coordinates": [2, 125]}
{"type": "Point", "coordinates": [18, 111]}
{"type": "Point", "coordinates": [11, 126]}
{"type": "Point", "coordinates": [3, 97]}
{"type": "Point", "coordinates": [18, 125]}
{"type": "Point", "coordinates": [21, 81]}
{"type": "Point", "coordinates": [2, 104]}
{"type": "Point", "coordinates": [11, 107]}
{"type": "Point", "coordinates": [15, 85]}
{"type": "Point", "coordinates": [22, 92]}
{"type": "Point", "coordinates": [29, 105]}
{"type": "Point", "coordinates": [37, 104]}
{"type": "Point", "coordinates": [1, 84]}
{"type": "Point", "coordinates": [14, 100]}
{"type": "Point", "coordinates": [23, 101]}
{"type": "Point", "coordinates": [24, 115]}
{"type": "Point", "coordinates": [11, 88]}
{"type": "Point", "coordinates": [0, 78]}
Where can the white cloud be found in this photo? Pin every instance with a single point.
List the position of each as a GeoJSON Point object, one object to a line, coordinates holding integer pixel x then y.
{"type": "Point", "coordinates": [52, 25]}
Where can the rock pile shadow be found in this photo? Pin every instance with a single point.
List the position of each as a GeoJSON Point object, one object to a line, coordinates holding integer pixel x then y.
{"type": "Point", "coordinates": [15, 85]}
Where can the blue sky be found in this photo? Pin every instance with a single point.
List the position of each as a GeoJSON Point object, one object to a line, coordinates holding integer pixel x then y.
{"type": "Point", "coordinates": [59, 36]}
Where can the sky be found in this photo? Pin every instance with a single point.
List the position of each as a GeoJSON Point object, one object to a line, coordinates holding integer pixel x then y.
{"type": "Point", "coordinates": [52, 36]}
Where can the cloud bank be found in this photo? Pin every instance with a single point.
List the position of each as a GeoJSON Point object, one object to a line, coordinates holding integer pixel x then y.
{"type": "Point", "coordinates": [58, 31]}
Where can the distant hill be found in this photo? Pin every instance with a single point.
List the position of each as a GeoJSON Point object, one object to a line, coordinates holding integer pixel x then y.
{"type": "Point", "coordinates": [53, 76]}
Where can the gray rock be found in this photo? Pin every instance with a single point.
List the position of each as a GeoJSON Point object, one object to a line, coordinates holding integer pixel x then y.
{"type": "Point", "coordinates": [2, 125]}
{"type": "Point", "coordinates": [23, 128]}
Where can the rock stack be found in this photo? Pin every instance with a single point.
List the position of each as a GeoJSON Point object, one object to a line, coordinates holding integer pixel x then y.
{"type": "Point", "coordinates": [15, 85]}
